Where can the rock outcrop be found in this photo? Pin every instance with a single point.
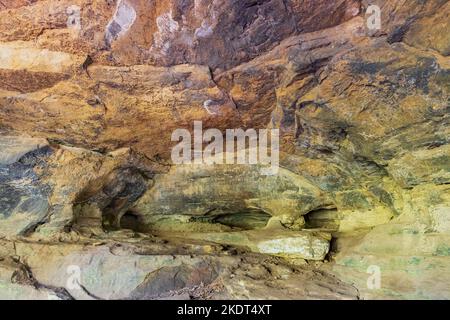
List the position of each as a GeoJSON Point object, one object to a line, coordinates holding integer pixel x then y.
{"type": "Point", "coordinates": [91, 91]}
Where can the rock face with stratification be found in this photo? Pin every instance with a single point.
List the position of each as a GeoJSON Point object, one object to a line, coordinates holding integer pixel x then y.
{"type": "Point", "coordinates": [91, 91]}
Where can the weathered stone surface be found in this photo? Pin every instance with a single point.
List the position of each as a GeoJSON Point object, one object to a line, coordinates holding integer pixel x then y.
{"type": "Point", "coordinates": [125, 272]}
{"type": "Point", "coordinates": [291, 244]}
{"type": "Point", "coordinates": [219, 34]}
{"type": "Point", "coordinates": [23, 196]}
{"type": "Point", "coordinates": [14, 148]}
{"type": "Point", "coordinates": [422, 166]}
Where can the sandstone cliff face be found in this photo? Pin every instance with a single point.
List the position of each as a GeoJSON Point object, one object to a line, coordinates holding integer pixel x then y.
{"type": "Point", "coordinates": [91, 91]}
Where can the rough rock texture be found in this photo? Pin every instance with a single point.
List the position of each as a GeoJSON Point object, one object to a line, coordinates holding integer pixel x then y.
{"type": "Point", "coordinates": [90, 92]}
{"type": "Point", "coordinates": [56, 188]}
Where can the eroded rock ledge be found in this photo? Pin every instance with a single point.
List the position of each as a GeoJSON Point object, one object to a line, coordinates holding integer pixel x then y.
{"type": "Point", "coordinates": [90, 92]}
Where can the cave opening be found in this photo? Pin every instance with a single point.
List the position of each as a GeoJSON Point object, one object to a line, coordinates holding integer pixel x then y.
{"type": "Point", "coordinates": [130, 221]}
